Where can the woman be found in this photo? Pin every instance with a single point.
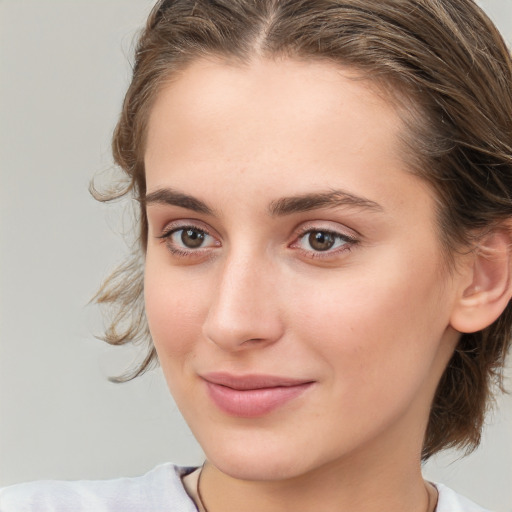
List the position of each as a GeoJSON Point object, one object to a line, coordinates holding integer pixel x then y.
{"type": "Point", "coordinates": [325, 209]}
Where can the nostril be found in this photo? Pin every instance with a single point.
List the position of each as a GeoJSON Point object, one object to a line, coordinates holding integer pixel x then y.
{"type": "Point", "coordinates": [253, 341]}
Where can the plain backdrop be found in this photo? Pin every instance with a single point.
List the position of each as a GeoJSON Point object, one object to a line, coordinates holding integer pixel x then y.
{"type": "Point", "coordinates": [64, 66]}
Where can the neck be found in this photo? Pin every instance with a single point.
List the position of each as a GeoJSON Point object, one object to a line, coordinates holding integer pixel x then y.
{"type": "Point", "coordinates": [345, 486]}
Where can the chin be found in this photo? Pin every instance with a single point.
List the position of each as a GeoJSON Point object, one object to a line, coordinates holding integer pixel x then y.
{"type": "Point", "coordinates": [258, 461]}
{"type": "Point", "coordinates": [267, 468]}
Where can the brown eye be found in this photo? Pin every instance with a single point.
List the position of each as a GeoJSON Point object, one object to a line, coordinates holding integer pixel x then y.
{"type": "Point", "coordinates": [192, 238]}
{"type": "Point", "coordinates": [189, 242]}
{"type": "Point", "coordinates": [321, 240]}
{"type": "Point", "coordinates": [316, 242]}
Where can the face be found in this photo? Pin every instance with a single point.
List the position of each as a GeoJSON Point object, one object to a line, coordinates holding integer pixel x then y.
{"type": "Point", "coordinates": [294, 286]}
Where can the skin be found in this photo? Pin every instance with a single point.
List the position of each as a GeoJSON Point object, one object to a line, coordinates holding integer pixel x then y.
{"type": "Point", "coordinates": [368, 321]}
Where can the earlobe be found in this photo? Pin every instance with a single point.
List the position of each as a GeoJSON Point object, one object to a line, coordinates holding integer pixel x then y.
{"type": "Point", "coordinates": [489, 290]}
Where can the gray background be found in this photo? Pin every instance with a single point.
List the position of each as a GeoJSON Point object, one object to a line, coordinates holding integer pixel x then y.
{"type": "Point", "coordinates": [63, 70]}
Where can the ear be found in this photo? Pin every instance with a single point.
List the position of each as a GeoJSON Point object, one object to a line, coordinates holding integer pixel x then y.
{"type": "Point", "coordinates": [485, 283]}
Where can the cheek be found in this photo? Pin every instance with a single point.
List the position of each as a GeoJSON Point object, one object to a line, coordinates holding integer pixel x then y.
{"type": "Point", "coordinates": [378, 338]}
{"type": "Point", "coordinates": [174, 310]}
{"type": "Point", "coordinates": [381, 323]}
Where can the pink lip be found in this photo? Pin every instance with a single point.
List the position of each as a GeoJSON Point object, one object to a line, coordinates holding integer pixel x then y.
{"type": "Point", "coordinates": [249, 396]}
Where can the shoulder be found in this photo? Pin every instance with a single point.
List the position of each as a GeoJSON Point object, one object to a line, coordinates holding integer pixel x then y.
{"type": "Point", "coordinates": [450, 501]}
{"type": "Point", "coordinates": [158, 490]}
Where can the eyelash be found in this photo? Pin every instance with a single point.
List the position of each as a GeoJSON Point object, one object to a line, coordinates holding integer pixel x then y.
{"type": "Point", "coordinates": [166, 238]}
{"type": "Point", "coordinates": [348, 242]}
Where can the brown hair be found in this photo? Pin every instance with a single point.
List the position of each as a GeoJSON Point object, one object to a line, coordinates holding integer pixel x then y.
{"type": "Point", "coordinates": [452, 69]}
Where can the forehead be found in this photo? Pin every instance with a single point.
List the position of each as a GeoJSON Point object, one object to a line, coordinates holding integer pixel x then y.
{"type": "Point", "coordinates": [269, 110]}
{"type": "Point", "coordinates": [270, 129]}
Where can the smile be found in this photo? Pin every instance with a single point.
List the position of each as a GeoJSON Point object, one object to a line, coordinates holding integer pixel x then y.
{"type": "Point", "coordinates": [251, 396]}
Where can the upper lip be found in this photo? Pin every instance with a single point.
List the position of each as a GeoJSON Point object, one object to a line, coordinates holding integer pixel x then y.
{"type": "Point", "coordinates": [252, 381]}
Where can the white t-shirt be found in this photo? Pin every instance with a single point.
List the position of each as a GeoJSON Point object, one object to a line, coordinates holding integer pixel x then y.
{"type": "Point", "coordinates": [160, 490]}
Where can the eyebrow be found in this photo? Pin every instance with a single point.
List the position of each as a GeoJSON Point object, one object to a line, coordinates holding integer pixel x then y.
{"type": "Point", "coordinates": [277, 208]}
{"type": "Point", "coordinates": [317, 200]}
{"type": "Point", "coordinates": [175, 198]}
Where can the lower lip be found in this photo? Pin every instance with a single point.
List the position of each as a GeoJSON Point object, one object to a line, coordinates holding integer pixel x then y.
{"type": "Point", "coordinates": [251, 403]}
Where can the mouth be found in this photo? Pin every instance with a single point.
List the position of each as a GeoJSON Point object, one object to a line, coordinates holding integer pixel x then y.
{"type": "Point", "coordinates": [250, 396]}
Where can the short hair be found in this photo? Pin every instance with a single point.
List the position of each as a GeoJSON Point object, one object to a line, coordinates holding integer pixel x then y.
{"type": "Point", "coordinates": [449, 72]}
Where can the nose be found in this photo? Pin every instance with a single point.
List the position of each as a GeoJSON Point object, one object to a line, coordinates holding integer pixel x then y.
{"type": "Point", "coordinates": [244, 312]}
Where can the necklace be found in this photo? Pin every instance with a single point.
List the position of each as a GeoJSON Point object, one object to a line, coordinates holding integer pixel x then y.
{"type": "Point", "coordinates": [203, 506]}
{"type": "Point", "coordinates": [199, 497]}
